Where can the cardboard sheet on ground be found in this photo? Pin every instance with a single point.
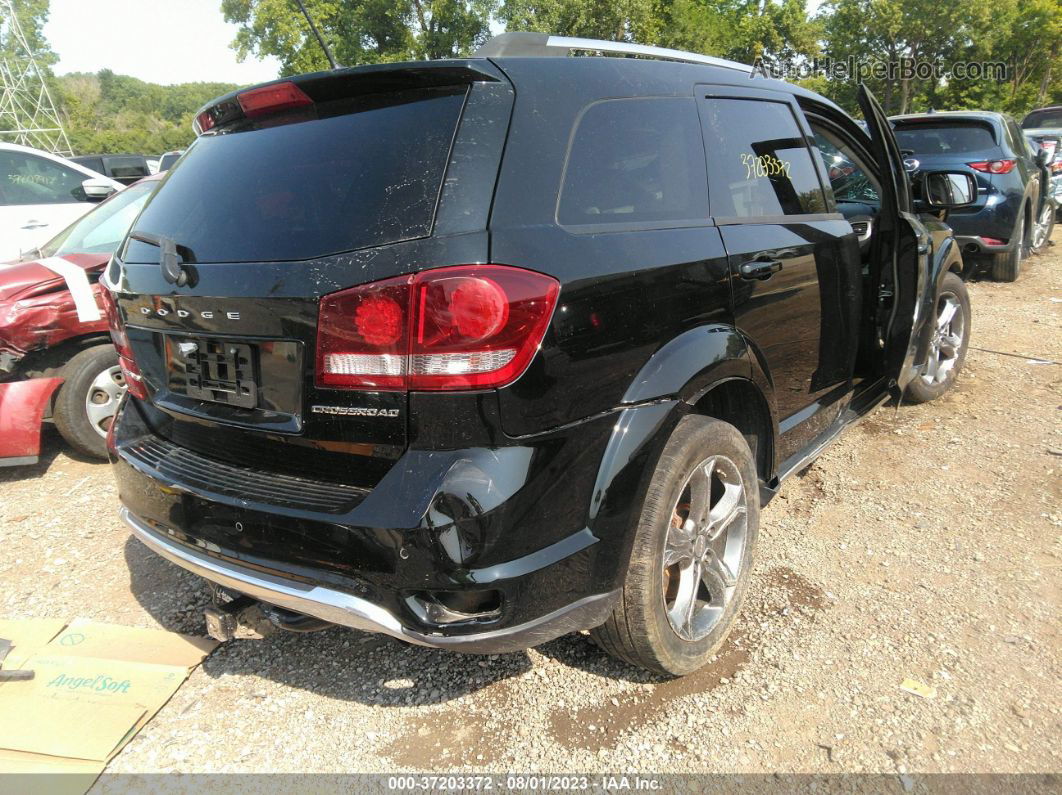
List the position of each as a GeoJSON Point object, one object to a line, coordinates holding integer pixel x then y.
{"type": "Point", "coordinates": [95, 687]}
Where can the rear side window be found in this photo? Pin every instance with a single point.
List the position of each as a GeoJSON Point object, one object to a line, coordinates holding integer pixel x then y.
{"type": "Point", "coordinates": [635, 161]}
{"type": "Point", "coordinates": [945, 138]}
{"type": "Point", "coordinates": [758, 161]}
{"type": "Point", "coordinates": [309, 189]}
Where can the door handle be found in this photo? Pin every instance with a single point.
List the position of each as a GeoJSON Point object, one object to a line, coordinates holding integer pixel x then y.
{"type": "Point", "coordinates": [34, 224]}
{"type": "Point", "coordinates": [760, 269]}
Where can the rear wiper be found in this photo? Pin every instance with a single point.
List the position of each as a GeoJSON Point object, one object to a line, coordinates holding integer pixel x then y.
{"type": "Point", "coordinates": [172, 271]}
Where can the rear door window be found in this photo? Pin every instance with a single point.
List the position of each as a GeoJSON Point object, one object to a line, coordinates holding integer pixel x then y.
{"type": "Point", "coordinates": [945, 138]}
{"type": "Point", "coordinates": [367, 175]}
{"type": "Point", "coordinates": [759, 164]}
{"type": "Point", "coordinates": [635, 161]}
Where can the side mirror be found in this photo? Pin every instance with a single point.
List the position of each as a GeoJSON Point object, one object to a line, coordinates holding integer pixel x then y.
{"type": "Point", "coordinates": [944, 190]}
{"type": "Point", "coordinates": [96, 190]}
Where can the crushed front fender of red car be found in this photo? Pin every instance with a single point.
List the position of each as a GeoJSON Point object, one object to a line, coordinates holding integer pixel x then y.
{"type": "Point", "coordinates": [22, 407]}
{"type": "Point", "coordinates": [37, 310]}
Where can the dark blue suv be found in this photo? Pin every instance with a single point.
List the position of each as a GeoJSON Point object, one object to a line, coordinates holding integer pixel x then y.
{"type": "Point", "coordinates": [991, 147]}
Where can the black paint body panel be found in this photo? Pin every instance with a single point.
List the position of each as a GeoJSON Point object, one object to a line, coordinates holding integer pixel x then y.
{"type": "Point", "coordinates": [532, 491]}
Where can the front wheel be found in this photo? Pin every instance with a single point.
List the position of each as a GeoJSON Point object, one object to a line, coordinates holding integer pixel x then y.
{"type": "Point", "coordinates": [693, 547]}
{"type": "Point", "coordinates": [947, 347]}
{"type": "Point", "coordinates": [88, 399]}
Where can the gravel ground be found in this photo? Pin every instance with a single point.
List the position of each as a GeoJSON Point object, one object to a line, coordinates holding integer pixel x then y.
{"type": "Point", "coordinates": [925, 544]}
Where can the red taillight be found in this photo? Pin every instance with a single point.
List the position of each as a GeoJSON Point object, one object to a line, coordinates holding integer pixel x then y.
{"type": "Point", "coordinates": [992, 241]}
{"type": "Point", "coordinates": [993, 166]}
{"type": "Point", "coordinates": [134, 380]}
{"type": "Point", "coordinates": [272, 99]}
{"type": "Point", "coordinates": [115, 323]}
{"type": "Point", "coordinates": [465, 327]}
{"type": "Point", "coordinates": [203, 122]}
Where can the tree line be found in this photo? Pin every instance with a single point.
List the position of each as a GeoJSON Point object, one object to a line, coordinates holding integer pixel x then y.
{"type": "Point", "coordinates": [1023, 35]}
{"type": "Point", "coordinates": [105, 112]}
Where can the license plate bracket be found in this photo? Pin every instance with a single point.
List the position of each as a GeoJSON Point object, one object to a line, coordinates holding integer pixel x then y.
{"type": "Point", "coordinates": [214, 370]}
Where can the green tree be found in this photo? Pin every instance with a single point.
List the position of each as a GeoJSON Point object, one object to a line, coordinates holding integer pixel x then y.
{"type": "Point", "coordinates": [1025, 35]}
{"type": "Point", "coordinates": [32, 17]}
{"type": "Point", "coordinates": [358, 31]}
{"type": "Point", "coordinates": [742, 30]}
{"type": "Point", "coordinates": [108, 113]}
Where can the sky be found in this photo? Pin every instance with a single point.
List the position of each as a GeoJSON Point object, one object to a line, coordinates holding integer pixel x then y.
{"type": "Point", "coordinates": [160, 41]}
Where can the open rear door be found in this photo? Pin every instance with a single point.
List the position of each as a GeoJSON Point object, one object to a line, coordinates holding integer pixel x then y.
{"type": "Point", "coordinates": [904, 249]}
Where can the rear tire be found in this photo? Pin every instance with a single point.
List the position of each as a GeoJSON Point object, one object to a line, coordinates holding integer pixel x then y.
{"type": "Point", "coordinates": [1006, 266]}
{"type": "Point", "coordinates": [88, 399]}
{"type": "Point", "coordinates": [706, 469]}
{"type": "Point", "coordinates": [947, 351]}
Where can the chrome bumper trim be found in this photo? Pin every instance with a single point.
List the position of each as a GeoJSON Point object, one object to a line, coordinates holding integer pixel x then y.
{"type": "Point", "coordinates": [341, 608]}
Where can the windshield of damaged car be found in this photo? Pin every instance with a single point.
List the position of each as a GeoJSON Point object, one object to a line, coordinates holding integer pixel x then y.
{"type": "Point", "coordinates": [101, 230]}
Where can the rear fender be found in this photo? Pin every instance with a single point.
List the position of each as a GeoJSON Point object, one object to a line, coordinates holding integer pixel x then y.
{"type": "Point", "coordinates": [22, 406]}
{"type": "Point", "coordinates": [663, 392]}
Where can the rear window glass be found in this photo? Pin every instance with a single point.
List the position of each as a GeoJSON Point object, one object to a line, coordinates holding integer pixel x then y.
{"type": "Point", "coordinates": [945, 139]}
{"type": "Point", "coordinates": [635, 161]}
{"type": "Point", "coordinates": [758, 162]}
{"type": "Point", "coordinates": [1043, 118]}
{"type": "Point", "coordinates": [308, 189]}
{"type": "Point", "coordinates": [128, 167]}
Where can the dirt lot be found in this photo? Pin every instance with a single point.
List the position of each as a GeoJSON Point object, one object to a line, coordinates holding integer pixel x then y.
{"type": "Point", "coordinates": [924, 545]}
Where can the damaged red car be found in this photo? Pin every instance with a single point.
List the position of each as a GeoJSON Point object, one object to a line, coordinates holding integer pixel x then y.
{"type": "Point", "coordinates": [56, 359]}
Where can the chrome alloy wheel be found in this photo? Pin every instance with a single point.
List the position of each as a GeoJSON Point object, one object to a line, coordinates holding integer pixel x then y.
{"type": "Point", "coordinates": [1041, 227]}
{"type": "Point", "coordinates": [101, 400]}
{"type": "Point", "coordinates": [946, 343]}
{"type": "Point", "coordinates": [704, 548]}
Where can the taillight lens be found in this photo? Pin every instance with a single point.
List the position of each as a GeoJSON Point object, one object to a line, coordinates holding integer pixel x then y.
{"type": "Point", "coordinates": [363, 336]}
{"type": "Point", "coordinates": [134, 380]}
{"type": "Point", "coordinates": [115, 322]}
{"type": "Point", "coordinates": [465, 327]}
{"type": "Point", "coordinates": [993, 166]}
{"type": "Point", "coordinates": [272, 99]}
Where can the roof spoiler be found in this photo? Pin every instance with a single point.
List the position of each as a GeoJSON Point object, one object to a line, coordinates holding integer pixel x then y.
{"type": "Point", "coordinates": [345, 83]}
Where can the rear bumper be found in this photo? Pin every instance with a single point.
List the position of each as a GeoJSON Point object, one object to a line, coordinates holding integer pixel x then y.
{"type": "Point", "coordinates": [972, 244]}
{"type": "Point", "coordinates": [482, 549]}
{"type": "Point", "coordinates": [339, 607]}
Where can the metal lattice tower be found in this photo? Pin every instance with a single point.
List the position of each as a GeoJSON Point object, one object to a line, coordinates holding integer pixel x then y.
{"type": "Point", "coordinates": [27, 113]}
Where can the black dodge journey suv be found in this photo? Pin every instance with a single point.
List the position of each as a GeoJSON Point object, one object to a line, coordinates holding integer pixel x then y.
{"type": "Point", "coordinates": [479, 352]}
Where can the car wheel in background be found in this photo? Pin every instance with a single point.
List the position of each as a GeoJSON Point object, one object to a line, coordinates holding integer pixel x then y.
{"type": "Point", "coordinates": [1006, 266]}
{"type": "Point", "coordinates": [689, 568]}
{"type": "Point", "coordinates": [1042, 229]}
{"type": "Point", "coordinates": [947, 348]}
{"type": "Point", "coordinates": [88, 399]}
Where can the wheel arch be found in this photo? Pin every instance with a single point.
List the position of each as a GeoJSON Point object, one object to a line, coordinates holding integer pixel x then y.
{"type": "Point", "coordinates": [708, 371]}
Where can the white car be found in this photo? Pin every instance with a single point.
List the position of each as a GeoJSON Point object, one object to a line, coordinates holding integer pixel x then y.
{"type": "Point", "coordinates": [41, 194]}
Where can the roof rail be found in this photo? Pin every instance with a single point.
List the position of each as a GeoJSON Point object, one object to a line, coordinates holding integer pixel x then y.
{"type": "Point", "coordinates": [535, 45]}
